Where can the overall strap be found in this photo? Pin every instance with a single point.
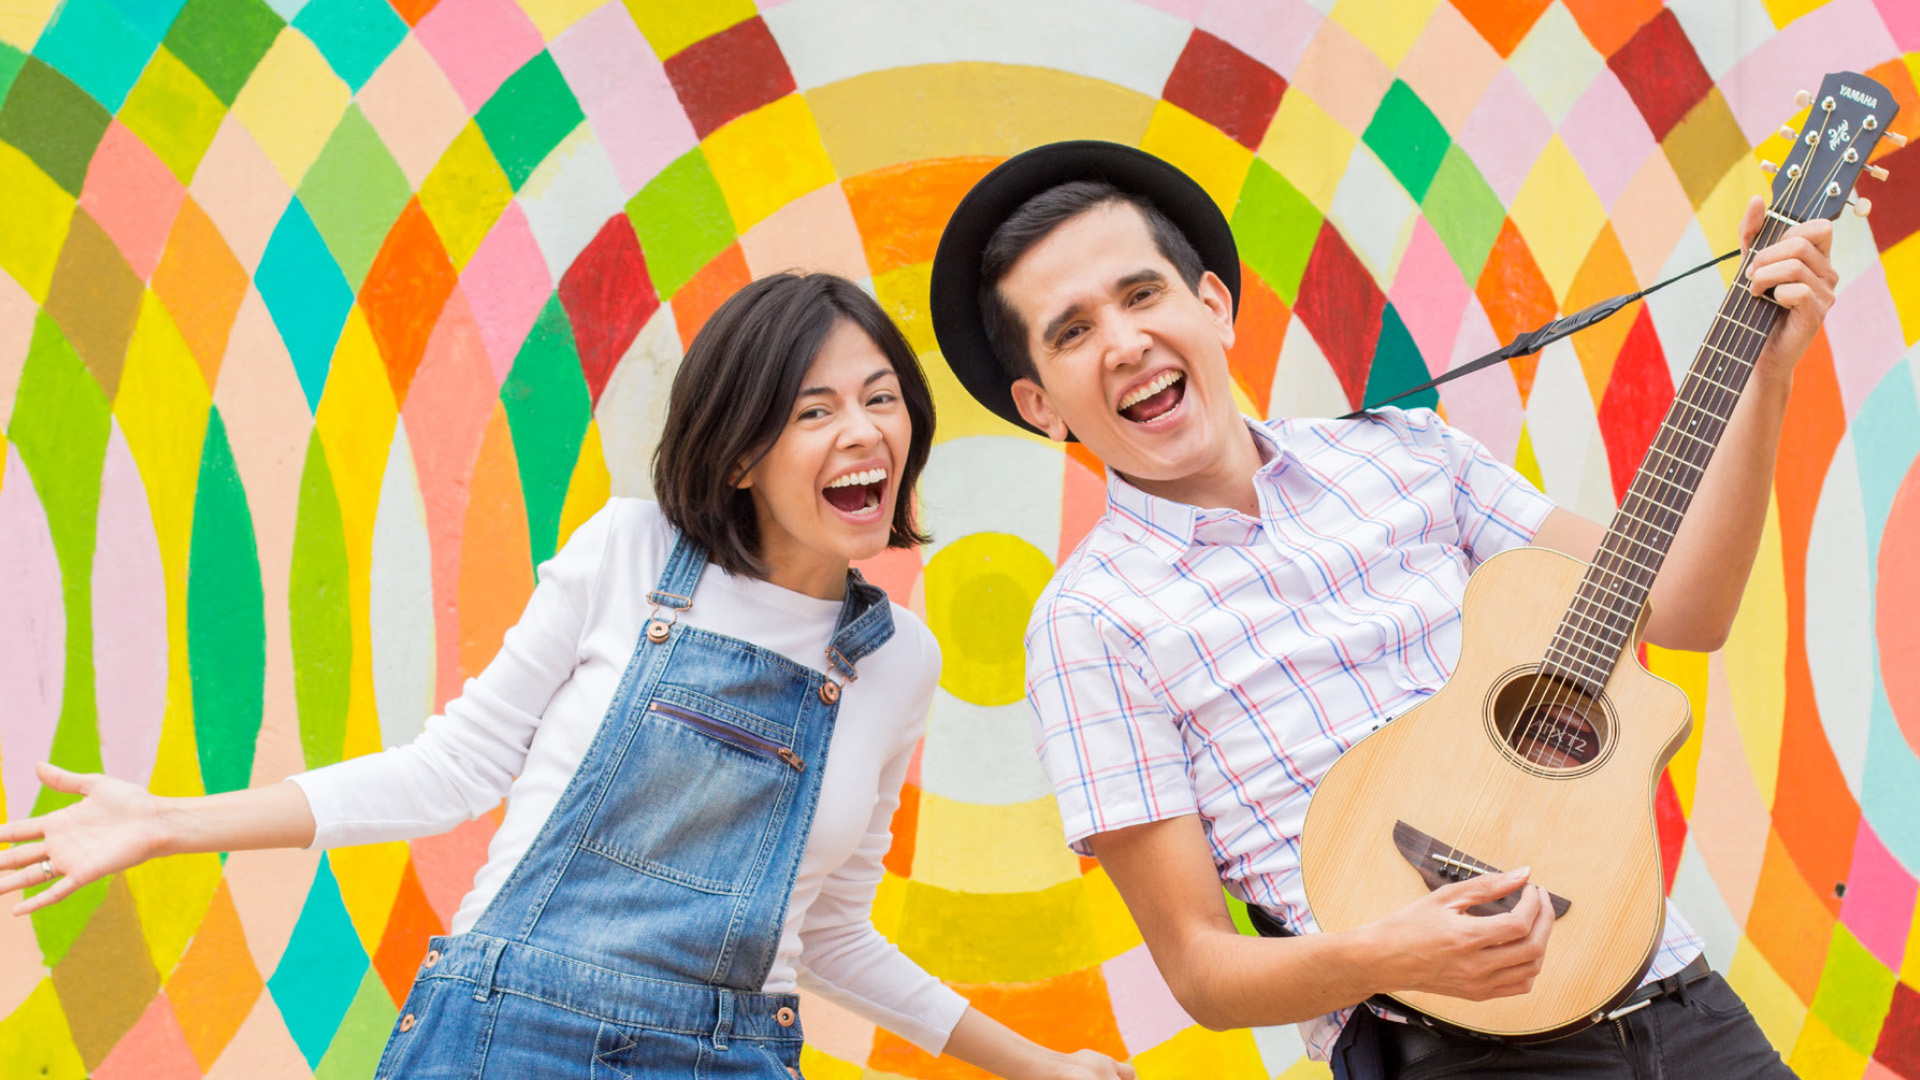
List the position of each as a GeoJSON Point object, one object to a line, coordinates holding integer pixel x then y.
{"type": "Point", "coordinates": [674, 590]}
{"type": "Point", "coordinates": [681, 574]}
{"type": "Point", "coordinates": [866, 623]}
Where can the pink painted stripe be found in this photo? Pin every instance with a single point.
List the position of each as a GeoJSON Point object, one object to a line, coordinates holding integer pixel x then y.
{"type": "Point", "coordinates": [33, 636]}
{"type": "Point", "coordinates": [129, 620]}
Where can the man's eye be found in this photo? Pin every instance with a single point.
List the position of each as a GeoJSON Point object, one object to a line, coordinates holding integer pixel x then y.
{"type": "Point", "coordinates": [1070, 334]}
{"type": "Point", "coordinates": [1144, 294]}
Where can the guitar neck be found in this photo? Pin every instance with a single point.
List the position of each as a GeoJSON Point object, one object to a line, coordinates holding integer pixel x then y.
{"type": "Point", "coordinates": [1598, 625]}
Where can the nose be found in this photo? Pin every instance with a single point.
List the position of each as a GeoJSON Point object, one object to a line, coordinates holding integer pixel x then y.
{"type": "Point", "coordinates": [1124, 342]}
{"type": "Point", "coordinates": [858, 429]}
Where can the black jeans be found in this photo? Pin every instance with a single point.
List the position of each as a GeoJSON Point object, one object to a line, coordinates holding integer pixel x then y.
{"type": "Point", "coordinates": [1702, 1031]}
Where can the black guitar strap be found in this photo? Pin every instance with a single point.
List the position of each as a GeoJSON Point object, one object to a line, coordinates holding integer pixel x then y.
{"type": "Point", "coordinates": [1534, 340]}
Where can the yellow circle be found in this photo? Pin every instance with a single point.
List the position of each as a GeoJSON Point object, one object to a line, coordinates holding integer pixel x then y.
{"type": "Point", "coordinates": [980, 592]}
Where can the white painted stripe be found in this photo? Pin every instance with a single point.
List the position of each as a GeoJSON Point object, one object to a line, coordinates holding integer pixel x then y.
{"type": "Point", "coordinates": [1128, 44]}
{"type": "Point", "coordinates": [401, 600]}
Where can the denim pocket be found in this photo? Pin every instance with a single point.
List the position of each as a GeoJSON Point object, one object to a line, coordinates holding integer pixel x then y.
{"type": "Point", "coordinates": [695, 795]}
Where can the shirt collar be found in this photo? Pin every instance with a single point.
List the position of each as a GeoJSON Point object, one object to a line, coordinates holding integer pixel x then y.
{"type": "Point", "coordinates": [1167, 527]}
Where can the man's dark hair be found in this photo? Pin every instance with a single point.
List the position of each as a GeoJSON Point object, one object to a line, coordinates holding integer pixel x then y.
{"type": "Point", "coordinates": [1036, 219]}
{"type": "Point", "coordinates": [735, 391]}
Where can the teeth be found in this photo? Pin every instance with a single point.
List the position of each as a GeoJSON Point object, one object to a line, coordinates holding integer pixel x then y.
{"type": "Point", "coordinates": [870, 476]}
{"type": "Point", "coordinates": [1149, 390]}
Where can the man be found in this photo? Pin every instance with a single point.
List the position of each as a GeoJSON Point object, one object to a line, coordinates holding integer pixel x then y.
{"type": "Point", "coordinates": [1260, 595]}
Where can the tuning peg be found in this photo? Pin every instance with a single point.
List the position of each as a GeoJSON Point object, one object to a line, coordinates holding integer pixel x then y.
{"type": "Point", "coordinates": [1861, 205]}
{"type": "Point", "coordinates": [1787, 132]}
{"type": "Point", "coordinates": [1769, 168]}
{"type": "Point", "coordinates": [1877, 172]}
{"type": "Point", "coordinates": [1803, 99]}
{"type": "Point", "coordinates": [1896, 140]}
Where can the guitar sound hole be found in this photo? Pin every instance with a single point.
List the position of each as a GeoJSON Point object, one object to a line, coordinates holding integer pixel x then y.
{"type": "Point", "coordinates": [1550, 724]}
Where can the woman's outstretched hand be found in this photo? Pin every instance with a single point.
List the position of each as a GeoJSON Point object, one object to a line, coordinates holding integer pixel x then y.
{"type": "Point", "coordinates": [1092, 1065]}
{"type": "Point", "coordinates": [114, 825]}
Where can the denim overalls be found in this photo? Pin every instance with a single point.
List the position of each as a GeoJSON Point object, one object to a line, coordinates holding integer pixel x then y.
{"type": "Point", "coordinates": [634, 936]}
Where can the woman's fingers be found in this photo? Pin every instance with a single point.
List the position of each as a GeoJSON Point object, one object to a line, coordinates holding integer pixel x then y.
{"type": "Point", "coordinates": [22, 855]}
{"type": "Point", "coordinates": [61, 889]}
{"type": "Point", "coordinates": [14, 832]}
{"type": "Point", "coordinates": [59, 779]}
{"type": "Point", "coordinates": [26, 866]}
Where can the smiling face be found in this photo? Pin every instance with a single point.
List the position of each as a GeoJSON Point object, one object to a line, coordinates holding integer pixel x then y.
{"type": "Point", "coordinates": [1131, 361]}
{"type": "Point", "coordinates": [824, 492]}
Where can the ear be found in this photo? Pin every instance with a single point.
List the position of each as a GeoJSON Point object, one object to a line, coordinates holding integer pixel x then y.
{"type": "Point", "coordinates": [1035, 408]}
{"type": "Point", "coordinates": [1219, 301]}
{"type": "Point", "coordinates": [742, 478]}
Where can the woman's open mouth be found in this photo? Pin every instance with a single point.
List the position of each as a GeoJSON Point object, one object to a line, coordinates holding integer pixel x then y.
{"type": "Point", "coordinates": [858, 495]}
{"type": "Point", "coordinates": [1156, 399]}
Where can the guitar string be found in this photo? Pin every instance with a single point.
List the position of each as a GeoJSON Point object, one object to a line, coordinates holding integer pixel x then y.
{"type": "Point", "coordinates": [1584, 649]}
{"type": "Point", "coordinates": [1562, 653]}
{"type": "Point", "coordinates": [1585, 661]}
{"type": "Point", "coordinates": [1723, 398]}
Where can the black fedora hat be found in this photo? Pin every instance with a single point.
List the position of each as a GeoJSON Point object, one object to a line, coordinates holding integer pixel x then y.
{"type": "Point", "coordinates": [955, 285]}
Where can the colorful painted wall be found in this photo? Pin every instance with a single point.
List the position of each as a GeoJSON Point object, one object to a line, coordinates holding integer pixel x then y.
{"type": "Point", "coordinates": [324, 321]}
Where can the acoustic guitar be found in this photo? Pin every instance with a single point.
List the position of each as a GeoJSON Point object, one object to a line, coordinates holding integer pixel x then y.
{"type": "Point", "coordinates": [1544, 747]}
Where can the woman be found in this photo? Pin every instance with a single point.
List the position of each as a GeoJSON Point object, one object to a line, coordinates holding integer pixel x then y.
{"type": "Point", "coordinates": [700, 766]}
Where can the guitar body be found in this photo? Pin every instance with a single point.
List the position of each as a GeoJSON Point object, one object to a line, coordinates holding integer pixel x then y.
{"type": "Point", "coordinates": [1572, 800]}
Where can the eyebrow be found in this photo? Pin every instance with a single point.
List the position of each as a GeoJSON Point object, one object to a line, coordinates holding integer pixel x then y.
{"type": "Point", "coordinates": [1144, 276]}
{"type": "Point", "coordinates": [816, 391]}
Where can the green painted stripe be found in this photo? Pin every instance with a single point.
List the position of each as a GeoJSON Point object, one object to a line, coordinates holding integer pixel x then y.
{"type": "Point", "coordinates": [548, 409]}
{"type": "Point", "coordinates": [322, 624]}
{"type": "Point", "coordinates": [60, 426]}
{"type": "Point", "coordinates": [226, 619]}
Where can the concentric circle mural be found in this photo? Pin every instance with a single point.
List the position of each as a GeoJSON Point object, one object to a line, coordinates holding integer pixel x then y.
{"type": "Point", "coordinates": [324, 322]}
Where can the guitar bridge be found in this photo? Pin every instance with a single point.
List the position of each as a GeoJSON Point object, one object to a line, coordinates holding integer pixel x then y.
{"type": "Point", "coordinates": [1439, 864]}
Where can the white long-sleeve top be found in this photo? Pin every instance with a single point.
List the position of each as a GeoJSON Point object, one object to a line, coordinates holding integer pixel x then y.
{"type": "Point", "coordinates": [521, 728]}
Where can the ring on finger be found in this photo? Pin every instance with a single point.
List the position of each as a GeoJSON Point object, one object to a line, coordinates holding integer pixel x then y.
{"type": "Point", "coordinates": [46, 869]}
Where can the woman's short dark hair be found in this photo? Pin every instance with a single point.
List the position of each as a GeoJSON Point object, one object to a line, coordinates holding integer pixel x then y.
{"type": "Point", "coordinates": [733, 396]}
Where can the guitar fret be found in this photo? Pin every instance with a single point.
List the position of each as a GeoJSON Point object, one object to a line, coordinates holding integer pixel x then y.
{"type": "Point", "coordinates": [1591, 633]}
{"type": "Point", "coordinates": [1705, 378]}
{"type": "Point", "coordinates": [1595, 677]}
{"type": "Point", "coordinates": [1604, 610]}
{"type": "Point", "coordinates": [1723, 317]}
{"type": "Point", "coordinates": [1638, 520]}
{"type": "Point", "coordinates": [1651, 570]}
{"type": "Point", "coordinates": [1668, 426]}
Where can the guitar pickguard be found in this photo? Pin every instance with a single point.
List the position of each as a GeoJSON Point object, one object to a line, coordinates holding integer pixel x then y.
{"type": "Point", "coordinates": [1439, 864]}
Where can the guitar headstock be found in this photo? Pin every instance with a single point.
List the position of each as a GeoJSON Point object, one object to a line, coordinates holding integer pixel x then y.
{"type": "Point", "coordinates": [1848, 118]}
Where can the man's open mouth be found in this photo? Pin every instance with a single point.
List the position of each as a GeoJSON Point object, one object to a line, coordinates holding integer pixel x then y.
{"type": "Point", "coordinates": [1155, 399]}
{"type": "Point", "coordinates": [857, 494]}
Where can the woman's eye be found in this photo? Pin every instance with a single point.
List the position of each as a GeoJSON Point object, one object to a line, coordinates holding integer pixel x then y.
{"type": "Point", "coordinates": [815, 413]}
{"type": "Point", "coordinates": [884, 397]}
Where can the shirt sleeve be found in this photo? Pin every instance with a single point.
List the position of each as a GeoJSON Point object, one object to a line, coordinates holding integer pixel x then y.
{"type": "Point", "coordinates": [1494, 507]}
{"type": "Point", "coordinates": [465, 759]}
{"type": "Point", "coordinates": [1110, 747]}
{"type": "Point", "coordinates": [843, 958]}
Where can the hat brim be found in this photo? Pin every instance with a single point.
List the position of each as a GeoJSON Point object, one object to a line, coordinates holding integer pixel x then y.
{"type": "Point", "coordinates": [955, 284]}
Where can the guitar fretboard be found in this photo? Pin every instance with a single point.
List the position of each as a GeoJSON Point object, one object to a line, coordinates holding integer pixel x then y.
{"type": "Point", "coordinates": [1597, 626]}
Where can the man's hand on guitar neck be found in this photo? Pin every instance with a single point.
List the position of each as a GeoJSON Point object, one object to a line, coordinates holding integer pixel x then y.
{"type": "Point", "coordinates": [1798, 270]}
{"type": "Point", "coordinates": [1165, 872]}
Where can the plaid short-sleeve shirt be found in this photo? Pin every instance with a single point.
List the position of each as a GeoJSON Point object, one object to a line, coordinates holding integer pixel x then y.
{"type": "Point", "coordinates": [1188, 661]}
